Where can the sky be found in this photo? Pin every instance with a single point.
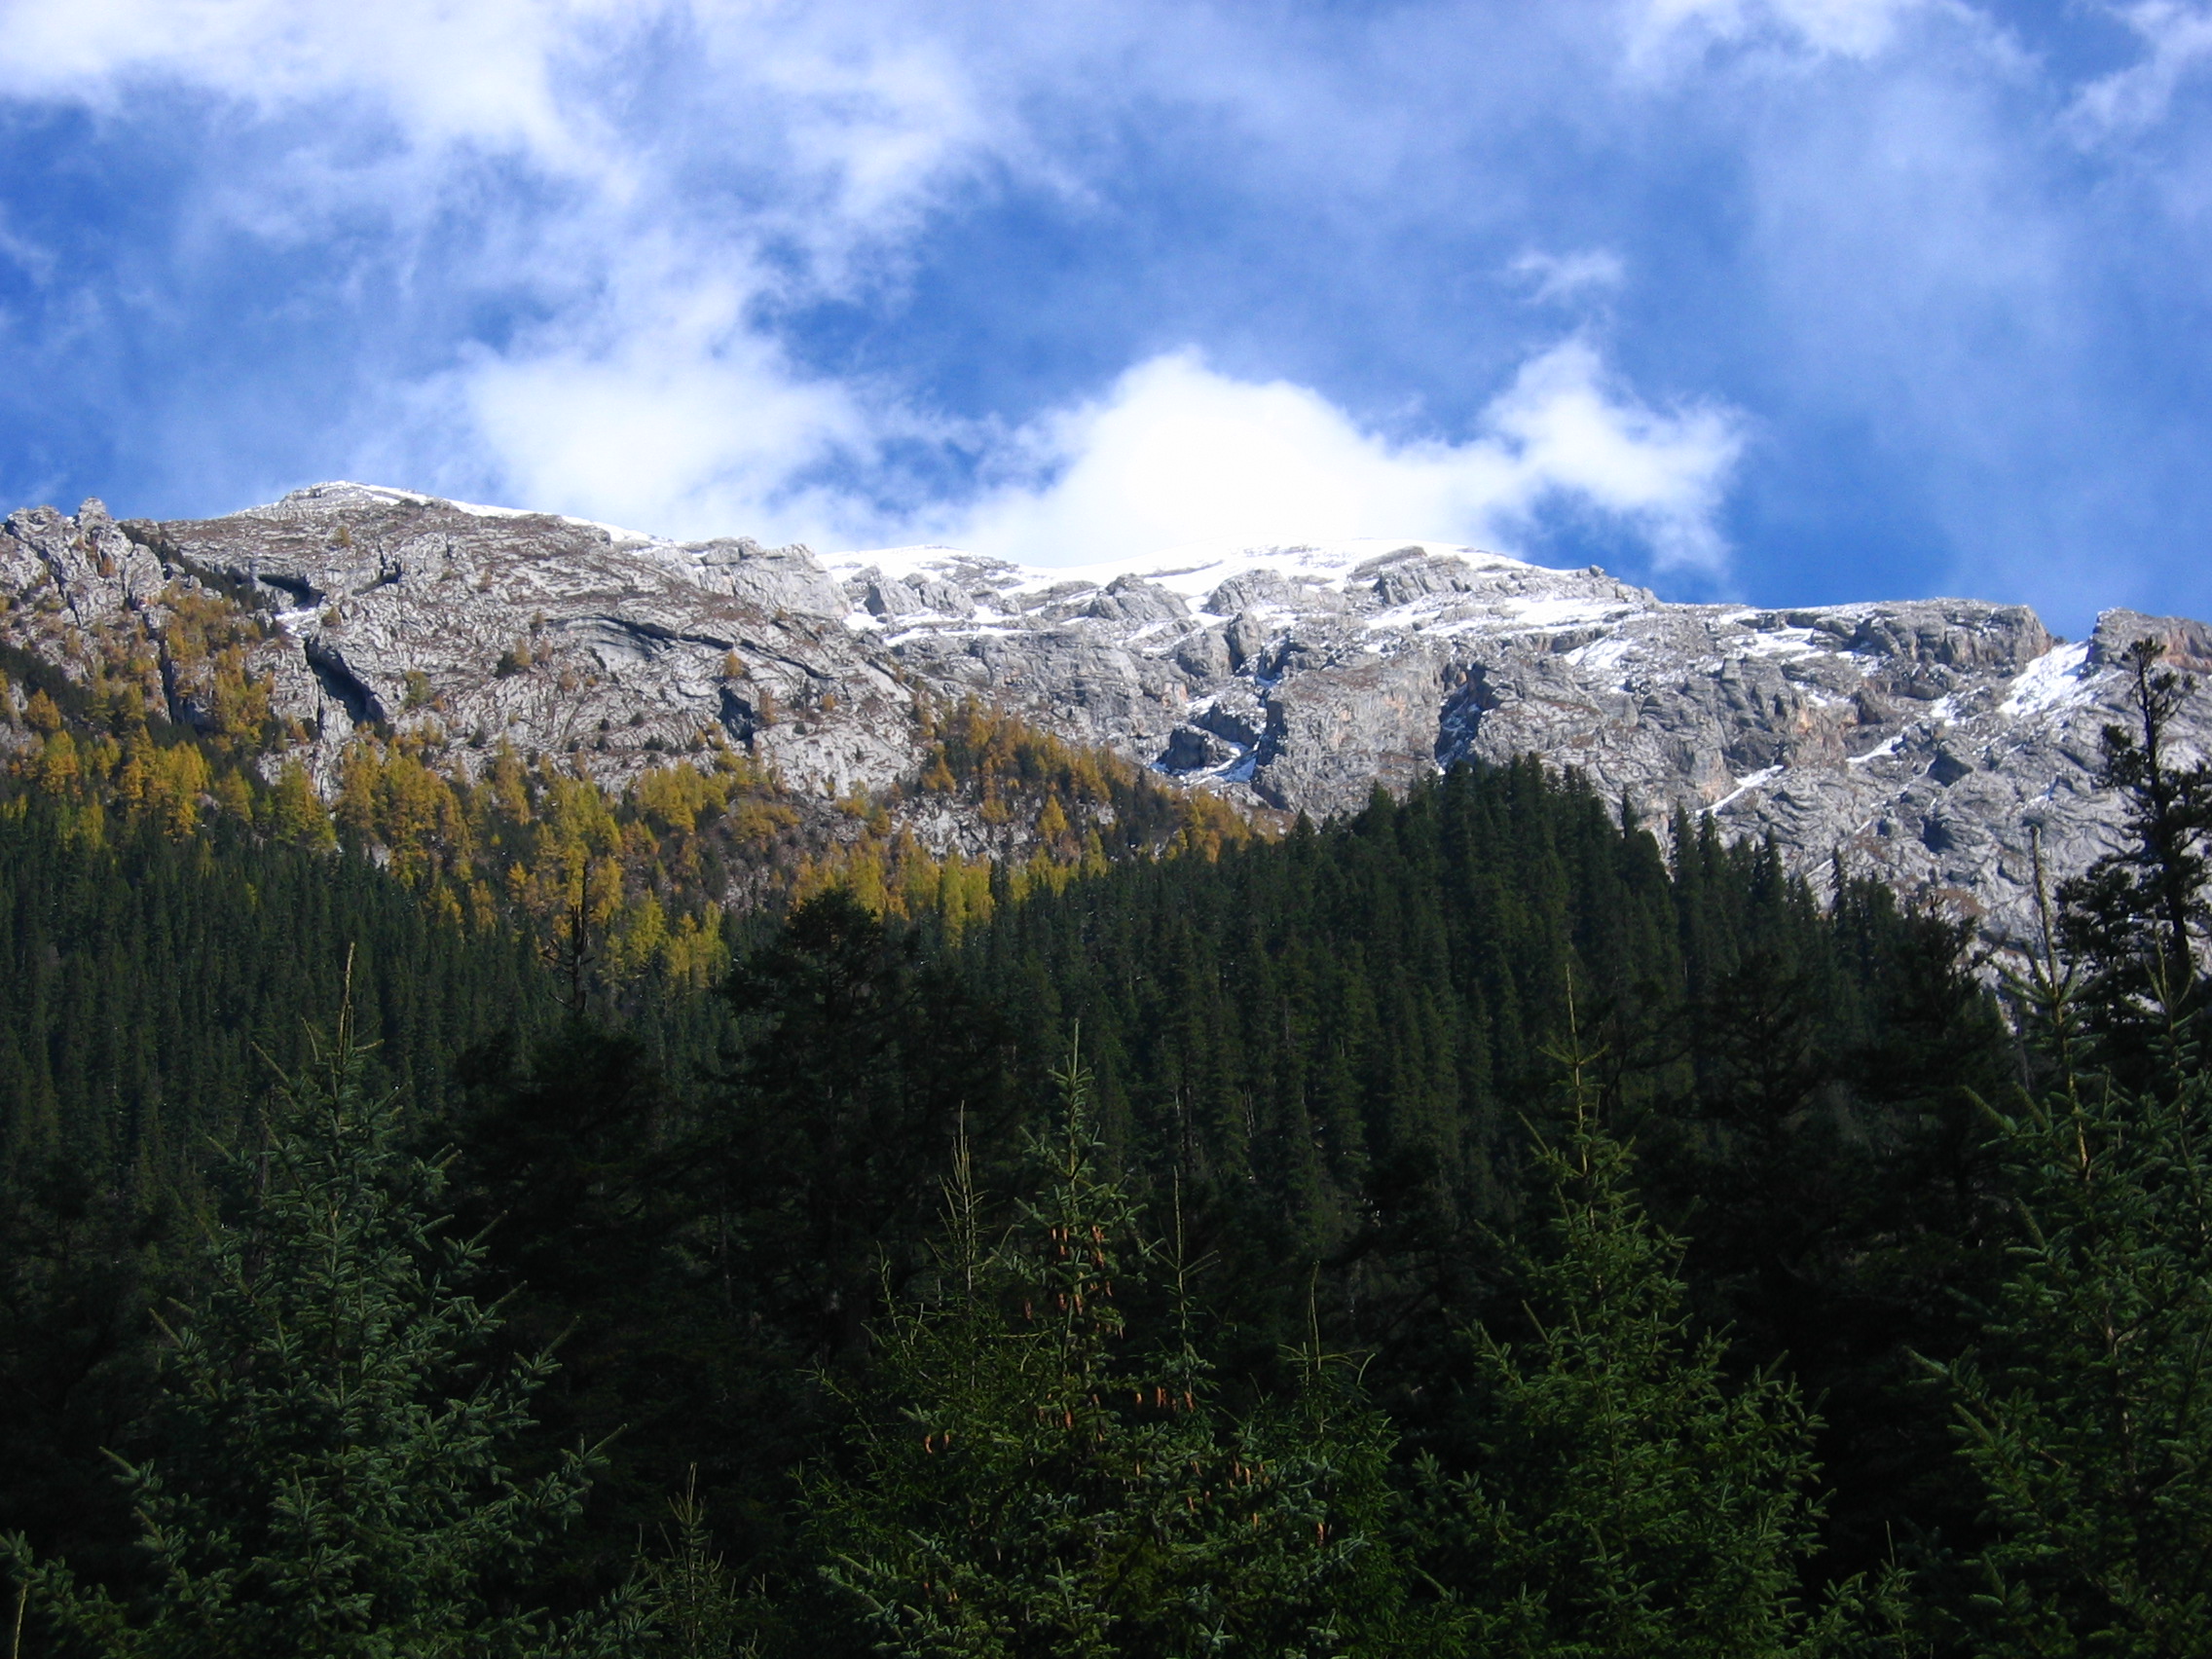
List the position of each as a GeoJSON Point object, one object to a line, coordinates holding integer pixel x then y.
{"type": "Point", "coordinates": [1786, 302]}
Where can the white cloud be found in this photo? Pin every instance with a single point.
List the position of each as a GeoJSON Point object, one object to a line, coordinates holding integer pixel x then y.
{"type": "Point", "coordinates": [651, 392]}
{"type": "Point", "coordinates": [696, 170]}
{"type": "Point", "coordinates": [2180, 41]}
{"type": "Point", "coordinates": [1845, 29]}
{"type": "Point", "coordinates": [692, 426]}
{"type": "Point", "coordinates": [1565, 275]}
{"type": "Point", "coordinates": [826, 128]}
{"type": "Point", "coordinates": [1175, 452]}
{"type": "Point", "coordinates": [700, 429]}
{"type": "Point", "coordinates": [481, 72]}
{"type": "Point", "coordinates": [643, 235]}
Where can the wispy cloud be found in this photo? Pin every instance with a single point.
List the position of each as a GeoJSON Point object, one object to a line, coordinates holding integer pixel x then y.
{"type": "Point", "coordinates": [481, 74]}
{"type": "Point", "coordinates": [1565, 276]}
{"type": "Point", "coordinates": [1848, 28]}
{"type": "Point", "coordinates": [848, 269]}
{"type": "Point", "coordinates": [2179, 39]}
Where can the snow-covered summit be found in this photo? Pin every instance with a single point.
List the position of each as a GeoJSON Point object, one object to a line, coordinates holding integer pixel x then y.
{"type": "Point", "coordinates": [339, 494]}
{"type": "Point", "coordinates": [1435, 586]}
{"type": "Point", "coordinates": [1195, 571]}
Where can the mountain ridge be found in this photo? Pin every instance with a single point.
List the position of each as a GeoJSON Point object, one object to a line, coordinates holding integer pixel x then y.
{"type": "Point", "coordinates": [1929, 741]}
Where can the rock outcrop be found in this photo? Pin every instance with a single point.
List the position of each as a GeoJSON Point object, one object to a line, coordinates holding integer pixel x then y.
{"type": "Point", "coordinates": [1930, 742]}
{"type": "Point", "coordinates": [1926, 741]}
{"type": "Point", "coordinates": [383, 608]}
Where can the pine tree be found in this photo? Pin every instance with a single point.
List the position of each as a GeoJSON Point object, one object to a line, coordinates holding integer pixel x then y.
{"type": "Point", "coordinates": [1626, 1498]}
{"type": "Point", "coordinates": [331, 1478]}
{"type": "Point", "coordinates": [1029, 1481]}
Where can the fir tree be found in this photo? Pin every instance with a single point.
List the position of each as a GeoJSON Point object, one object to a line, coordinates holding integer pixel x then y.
{"type": "Point", "coordinates": [331, 1477]}
{"type": "Point", "coordinates": [78, 1268]}
{"type": "Point", "coordinates": [701, 1610]}
{"type": "Point", "coordinates": [2088, 1415]}
{"type": "Point", "coordinates": [2137, 917]}
{"type": "Point", "coordinates": [856, 1059]}
{"type": "Point", "coordinates": [1626, 1498]}
{"type": "Point", "coordinates": [1028, 1481]}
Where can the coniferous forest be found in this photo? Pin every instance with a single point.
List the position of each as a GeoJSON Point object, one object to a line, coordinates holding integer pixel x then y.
{"type": "Point", "coordinates": [1490, 1224]}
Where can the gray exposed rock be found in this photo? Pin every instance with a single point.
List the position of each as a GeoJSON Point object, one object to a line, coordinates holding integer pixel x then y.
{"type": "Point", "coordinates": [1923, 741]}
{"type": "Point", "coordinates": [1194, 748]}
{"type": "Point", "coordinates": [383, 608]}
{"type": "Point", "coordinates": [1134, 600]}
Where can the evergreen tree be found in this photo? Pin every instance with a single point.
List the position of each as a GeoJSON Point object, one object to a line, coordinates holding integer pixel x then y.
{"type": "Point", "coordinates": [2137, 917]}
{"type": "Point", "coordinates": [330, 1477]}
{"type": "Point", "coordinates": [79, 1268]}
{"type": "Point", "coordinates": [2088, 1415]}
{"type": "Point", "coordinates": [701, 1611]}
{"type": "Point", "coordinates": [1626, 1498]}
{"type": "Point", "coordinates": [855, 1060]}
{"type": "Point", "coordinates": [1029, 1481]}
{"type": "Point", "coordinates": [1825, 1160]}
{"type": "Point", "coordinates": [562, 1163]}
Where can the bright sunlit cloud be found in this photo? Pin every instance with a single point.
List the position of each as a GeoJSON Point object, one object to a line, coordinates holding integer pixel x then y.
{"type": "Point", "coordinates": [1066, 281]}
{"type": "Point", "coordinates": [693, 436]}
{"type": "Point", "coordinates": [1177, 453]}
{"type": "Point", "coordinates": [697, 427]}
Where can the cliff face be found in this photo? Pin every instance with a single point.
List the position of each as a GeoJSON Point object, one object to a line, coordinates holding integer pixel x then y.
{"type": "Point", "coordinates": [383, 608]}
{"type": "Point", "coordinates": [1923, 740]}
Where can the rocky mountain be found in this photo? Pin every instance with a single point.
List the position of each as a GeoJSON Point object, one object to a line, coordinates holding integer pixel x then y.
{"type": "Point", "coordinates": [1923, 740]}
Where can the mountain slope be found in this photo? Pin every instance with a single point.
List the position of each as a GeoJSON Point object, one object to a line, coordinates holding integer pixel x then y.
{"type": "Point", "coordinates": [1923, 741]}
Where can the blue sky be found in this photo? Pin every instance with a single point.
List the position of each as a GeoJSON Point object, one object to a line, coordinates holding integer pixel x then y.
{"type": "Point", "coordinates": [1790, 301]}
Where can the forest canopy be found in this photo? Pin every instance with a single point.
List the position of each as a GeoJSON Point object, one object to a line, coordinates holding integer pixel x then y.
{"type": "Point", "coordinates": [1486, 1223]}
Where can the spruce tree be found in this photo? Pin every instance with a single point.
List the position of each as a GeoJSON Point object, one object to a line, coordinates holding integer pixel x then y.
{"type": "Point", "coordinates": [2136, 918]}
{"type": "Point", "coordinates": [2087, 1416]}
{"type": "Point", "coordinates": [856, 1057]}
{"type": "Point", "coordinates": [1626, 1497]}
{"type": "Point", "coordinates": [699, 1608]}
{"type": "Point", "coordinates": [1030, 1480]}
{"type": "Point", "coordinates": [331, 1476]}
